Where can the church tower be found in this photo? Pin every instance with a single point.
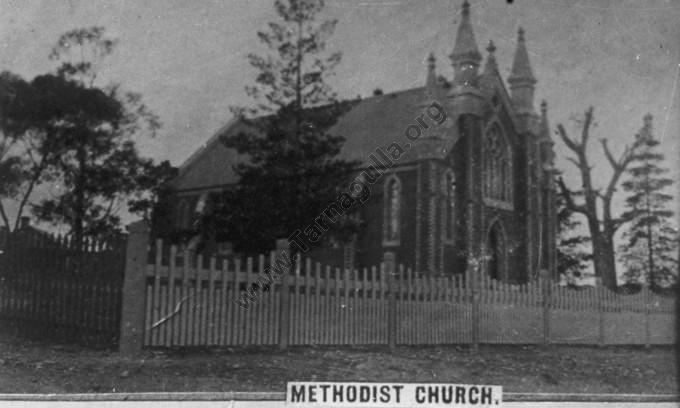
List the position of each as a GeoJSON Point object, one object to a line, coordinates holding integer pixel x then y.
{"type": "Point", "coordinates": [548, 194]}
{"type": "Point", "coordinates": [465, 101]}
{"type": "Point", "coordinates": [465, 95]}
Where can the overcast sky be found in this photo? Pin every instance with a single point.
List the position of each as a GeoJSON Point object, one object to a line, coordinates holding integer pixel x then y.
{"type": "Point", "coordinates": [188, 58]}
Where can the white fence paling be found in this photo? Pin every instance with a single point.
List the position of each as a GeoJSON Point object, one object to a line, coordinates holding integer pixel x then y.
{"type": "Point", "coordinates": [193, 303]}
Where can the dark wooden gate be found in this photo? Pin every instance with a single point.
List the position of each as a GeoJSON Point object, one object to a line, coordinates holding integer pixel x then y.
{"type": "Point", "coordinates": [51, 290]}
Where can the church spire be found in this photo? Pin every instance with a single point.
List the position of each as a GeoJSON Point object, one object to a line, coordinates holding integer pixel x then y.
{"type": "Point", "coordinates": [491, 64]}
{"type": "Point", "coordinates": [521, 78]}
{"type": "Point", "coordinates": [432, 87]}
{"type": "Point", "coordinates": [465, 56]}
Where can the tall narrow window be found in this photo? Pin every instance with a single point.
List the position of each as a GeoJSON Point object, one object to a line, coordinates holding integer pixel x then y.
{"type": "Point", "coordinates": [449, 190]}
{"type": "Point", "coordinates": [392, 224]}
{"type": "Point", "coordinates": [497, 167]}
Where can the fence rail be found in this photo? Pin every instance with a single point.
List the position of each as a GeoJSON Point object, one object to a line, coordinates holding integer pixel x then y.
{"type": "Point", "coordinates": [199, 302]}
{"type": "Point", "coordinates": [54, 291]}
{"type": "Point", "coordinates": [100, 293]}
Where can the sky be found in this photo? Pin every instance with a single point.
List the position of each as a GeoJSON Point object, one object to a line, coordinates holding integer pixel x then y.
{"type": "Point", "coordinates": [188, 58]}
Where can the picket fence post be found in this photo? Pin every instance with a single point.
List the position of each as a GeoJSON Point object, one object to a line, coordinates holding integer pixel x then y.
{"type": "Point", "coordinates": [646, 296]}
{"type": "Point", "coordinates": [283, 250]}
{"type": "Point", "coordinates": [600, 307]}
{"type": "Point", "coordinates": [134, 289]}
{"type": "Point", "coordinates": [474, 282]}
{"type": "Point", "coordinates": [388, 258]}
{"type": "Point", "coordinates": [545, 288]}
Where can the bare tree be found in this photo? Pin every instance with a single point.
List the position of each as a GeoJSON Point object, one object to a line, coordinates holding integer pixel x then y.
{"type": "Point", "coordinates": [601, 223]}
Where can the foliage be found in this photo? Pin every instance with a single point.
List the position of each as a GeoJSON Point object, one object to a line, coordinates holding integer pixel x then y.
{"type": "Point", "coordinates": [651, 242]}
{"type": "Point", "coordinates": [293, 170]}
{"type": "Point", "coordinates": [573, 256]}
{"type": "Point", "coordinates": [27, 140]}
{"type": "Point", "coordinates": [79, 137]}
{"type": "Point", "coordinates": [593, 202]}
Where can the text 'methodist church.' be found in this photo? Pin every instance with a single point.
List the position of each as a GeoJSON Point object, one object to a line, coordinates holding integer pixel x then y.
{"type": "Point", "coordinates": [476, 192]}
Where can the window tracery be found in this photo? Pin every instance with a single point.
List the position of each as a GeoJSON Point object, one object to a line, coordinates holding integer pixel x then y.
{"type": "Point", "coordinates": [498, 180]}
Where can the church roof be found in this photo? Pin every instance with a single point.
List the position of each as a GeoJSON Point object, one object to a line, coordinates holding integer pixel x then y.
{"type": "Point", "coordinates": [375, 122]}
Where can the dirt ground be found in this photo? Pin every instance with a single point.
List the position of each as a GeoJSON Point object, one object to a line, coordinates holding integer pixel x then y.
{"type": "Point", "coordinates": [29, 367]}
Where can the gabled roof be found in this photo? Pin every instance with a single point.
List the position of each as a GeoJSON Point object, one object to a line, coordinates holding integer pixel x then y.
{"type": "Point", "coordinates": [374, 122]}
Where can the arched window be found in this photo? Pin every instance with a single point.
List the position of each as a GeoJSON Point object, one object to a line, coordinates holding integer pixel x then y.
{"type": "Point", "coordinates": [392, 223]}
{"type": "Point", "coordinates": [183, 214]}
{"type": "Point", "coordinates": [449, 210]}
{"type": "Point", "coordinates": [497, 166]}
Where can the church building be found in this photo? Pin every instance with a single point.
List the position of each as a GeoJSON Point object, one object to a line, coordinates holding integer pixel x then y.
{"type": "Point", "coordinates": [475, 192]}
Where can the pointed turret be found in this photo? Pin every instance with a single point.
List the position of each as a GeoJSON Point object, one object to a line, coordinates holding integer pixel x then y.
{"type": "Point", "coordinates": [431, 86]}
{"type": "Point", "coordinates": [431, 79]}
{"type": "Point", "coordinates": [431, 144]}
{"type": "Point", "coordinates": [522, 79]}
{"type": "Point", "coordinates": [465, 56]}
{"type": "Point", "coordinates": [491, 64]}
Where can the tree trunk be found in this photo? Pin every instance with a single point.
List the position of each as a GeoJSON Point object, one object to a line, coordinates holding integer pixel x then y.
{"type": "Point", "coordinates": [601, 231]}
{"type": "Point", "coordinates": [79, 205]}
{"type": "Point", "coordinates": [605, 262]}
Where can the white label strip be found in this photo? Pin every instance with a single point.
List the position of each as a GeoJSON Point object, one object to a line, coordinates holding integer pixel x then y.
{"type": "Point", "coordinates": [350, 394]}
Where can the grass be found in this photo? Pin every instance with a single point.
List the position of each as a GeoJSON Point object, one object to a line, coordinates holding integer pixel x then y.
{"type": "Point", "coordinates": [34, 367]}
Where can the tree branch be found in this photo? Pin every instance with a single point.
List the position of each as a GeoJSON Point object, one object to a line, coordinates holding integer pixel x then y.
{"type": "Point", "coordinates": [567, 194]}
{"type": "Point", "coordinates": [573, 161]}
{"type": "Point", "coordinates": [34, 179]}
{"type": "Point", "coordinates": [608, 154]}
{"type": "Point", "coordinates": [572, 145]}
{"type": "Point", "coordinates": [619, 166]}
{"type": "Point", "coordinates": [5, 219]}
{"type": "Point", "coordinates": [585, 132]}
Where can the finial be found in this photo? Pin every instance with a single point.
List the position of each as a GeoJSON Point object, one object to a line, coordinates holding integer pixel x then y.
{"type": "Point", "coordinates": [466, 8]}
{"type": "Point", "coordinates": [431, 61]}
{"type": "Point", "coordinates": [491, 64]}
{"type": "Point", "coordinates": [544, 107]}
{"type": "Point", "coordinates": [520, 34]}
{"type": "Point", "coordinates": [431, 78]}
{"type": "Point", "coordinates": [491, 47]}
{"type": "Point", "coordinates": [648, 119]}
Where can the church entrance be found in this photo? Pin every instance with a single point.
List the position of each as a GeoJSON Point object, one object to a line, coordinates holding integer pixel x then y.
{"type": "Point", "coordinates": [496, 252]}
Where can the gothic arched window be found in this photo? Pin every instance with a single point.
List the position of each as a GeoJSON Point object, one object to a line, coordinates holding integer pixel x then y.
{"type": "Point", "coordinates": [392, 223]}
{"type": "Point", "coordinates": [497, 166]}
{"type": "Point", "coordinates": [448, 212]}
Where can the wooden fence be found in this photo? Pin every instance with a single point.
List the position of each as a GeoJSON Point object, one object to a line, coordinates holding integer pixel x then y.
{"type": "Point", "coordinates": [51, 290]}
{"type": "Point", "coordinates": [219, 302]}
{"type": "Point", "coordinates": [164, 298]}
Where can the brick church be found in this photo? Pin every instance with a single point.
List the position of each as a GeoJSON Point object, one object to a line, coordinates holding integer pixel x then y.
{"type": "Point", "coordinates": [476, 191]}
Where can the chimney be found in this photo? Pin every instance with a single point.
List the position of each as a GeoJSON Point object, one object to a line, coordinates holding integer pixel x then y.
{"type": "Point", "coordinates": [24, 222]}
